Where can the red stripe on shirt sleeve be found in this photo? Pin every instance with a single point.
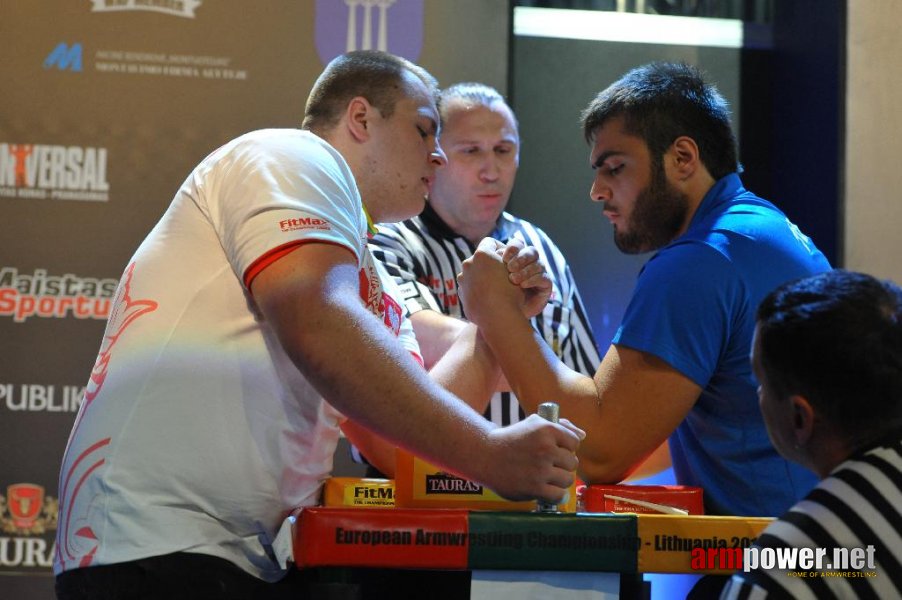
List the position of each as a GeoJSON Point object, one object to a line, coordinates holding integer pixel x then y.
{"type": "Point", "coordinates": [278, 252]}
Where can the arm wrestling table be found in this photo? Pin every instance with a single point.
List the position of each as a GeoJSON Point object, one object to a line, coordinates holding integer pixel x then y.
{"type": "Point", "coordinates": [454, 553]}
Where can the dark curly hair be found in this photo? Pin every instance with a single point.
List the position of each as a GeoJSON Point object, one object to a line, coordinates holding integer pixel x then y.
{"type": "Point", "coordinates": [660, 102]}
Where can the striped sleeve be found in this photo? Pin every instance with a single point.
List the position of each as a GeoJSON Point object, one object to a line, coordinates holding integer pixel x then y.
{"type": "Point", "coordinates": [564, 324]}
{"type": "Point", "coordinates": [424, 267]}
{"type": "Point", "coordinates": [393, 248]}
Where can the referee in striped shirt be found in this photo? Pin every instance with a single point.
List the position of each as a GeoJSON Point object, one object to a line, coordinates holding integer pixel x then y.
{"type": "Point", "coordinates": [466, 204]}
{"type": "Point", "coordinates": [828, 357]}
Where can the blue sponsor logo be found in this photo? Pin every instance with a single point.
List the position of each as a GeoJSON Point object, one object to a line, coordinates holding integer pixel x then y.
{"type": "Point", "coordinates": [64, 57]}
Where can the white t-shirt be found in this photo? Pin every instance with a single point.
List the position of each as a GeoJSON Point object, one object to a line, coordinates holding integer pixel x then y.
{"type": "Point", "coordinates": [197, 433]}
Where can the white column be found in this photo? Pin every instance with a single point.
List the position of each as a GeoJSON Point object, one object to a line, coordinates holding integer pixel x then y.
{"type": "Point", "coordinates": [383, 24]}
{"type": "Point", "coordinates": [351, 43]}
{"type": "Point", "coordinates": [367, 42]}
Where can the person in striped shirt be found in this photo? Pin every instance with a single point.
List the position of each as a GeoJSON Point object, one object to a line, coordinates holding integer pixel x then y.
{"type": "Point", "coordinates": [828, 355]}
{"type": "Point", "coordinates": [480, 137]}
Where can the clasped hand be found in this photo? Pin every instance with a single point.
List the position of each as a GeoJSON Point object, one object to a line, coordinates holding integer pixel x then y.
{"type": "Point", "coordinates": [503, 277]}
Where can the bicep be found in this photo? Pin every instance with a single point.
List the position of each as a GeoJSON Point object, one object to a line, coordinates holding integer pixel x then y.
{"type": "Point", "coordinates": [291, 290]}
{"type": "Point", "coordinates": [642, 400]}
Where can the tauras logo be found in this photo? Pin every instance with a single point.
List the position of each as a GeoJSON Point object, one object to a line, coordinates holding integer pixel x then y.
{"type": "Point", "coordinates": [444, 483]}
{"type": "Point", "coordinates": [44, 171]}
{"type": "Point", "coordinates": [176, 8]}
{"type": "Point", "coordinates": [23, 510]}
{"type": "Point", "coordinates": [26, 552]}
{"type": "Point", "coordinates": [53, 296]}
{"type": "Point", "coordinates": [25, 513]}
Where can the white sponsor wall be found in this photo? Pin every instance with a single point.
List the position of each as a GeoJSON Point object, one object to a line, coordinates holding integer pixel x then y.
{"type": "Point", "coordinates": [105, 107]}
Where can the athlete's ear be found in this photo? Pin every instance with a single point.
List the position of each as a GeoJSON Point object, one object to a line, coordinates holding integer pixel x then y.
{"type": "Point", "coordinates": [683, 157]}
{"type": "Point", "coordinates": [358, 114]}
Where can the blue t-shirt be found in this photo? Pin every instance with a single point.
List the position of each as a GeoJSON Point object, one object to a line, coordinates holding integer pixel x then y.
{"type": "Point", "coordinates": [694, 307]}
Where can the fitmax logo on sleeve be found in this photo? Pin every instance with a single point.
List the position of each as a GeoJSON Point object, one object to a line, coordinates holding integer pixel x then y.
{"type": "Point", "coordinates": [65, 57]}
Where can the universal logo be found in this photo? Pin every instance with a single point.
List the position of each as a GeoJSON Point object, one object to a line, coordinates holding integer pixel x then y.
{"type": "Point", "coordinates": [42, 171]}
{"type": "Point", "coordinates": [443, 483]}
{"type": "Point", "coordinates": [25, 510]}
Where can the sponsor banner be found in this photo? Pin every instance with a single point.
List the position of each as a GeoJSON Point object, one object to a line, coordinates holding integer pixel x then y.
{"type": "Point", "coordinates": [463, 539]}
{"type": "Point", "coordinates": [70, 57]}
{"type": "Point", "coordinates": [553, 542]}
{"type": "Point", "coordinates": [49, 172]}
{"type": "Point", "coordinates": [65, 57]}
{"type": "Point", "coordinates": [420, 484]}
{"type": "Point", "coordinates": [176, 8]}
{"type": "Point", "coordinates": [110, 106]}
{"type": "Point", "coordinates": [477, 539]}
{"type": "Point", "coordinates": [668, 541]}
{"type": "Point", "coordinates": [155, 64]}
{"type": "Point", "coordinates": [27, 529]}
{"type": "Point", "coordinates": [398, 538]}
{"type": "Point", "coordinates": [359, 492]}
{"type": "Point", "coordinates": [41, 398]}
{"type": "Point", "coordinates": [41, 295]}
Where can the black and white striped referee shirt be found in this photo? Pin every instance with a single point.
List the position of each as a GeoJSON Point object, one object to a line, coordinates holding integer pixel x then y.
{"type": "Point", "coordinates": [424, 256]}
{"type": "Point", "coordinates": [858, 505]}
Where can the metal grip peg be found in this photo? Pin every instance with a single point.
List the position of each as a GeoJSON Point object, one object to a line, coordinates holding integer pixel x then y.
{"type": "Point", "coordinates": [550, 411]}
